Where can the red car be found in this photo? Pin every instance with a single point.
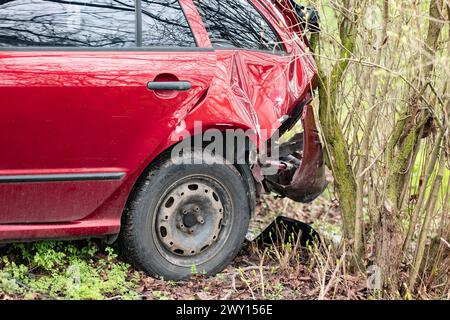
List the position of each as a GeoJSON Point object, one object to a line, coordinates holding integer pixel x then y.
{"type": "Point", "coordinates": [95, 96]}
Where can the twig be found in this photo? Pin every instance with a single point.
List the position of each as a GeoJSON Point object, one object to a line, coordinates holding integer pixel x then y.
{"type": "Point", "coordinates": [445, 242]}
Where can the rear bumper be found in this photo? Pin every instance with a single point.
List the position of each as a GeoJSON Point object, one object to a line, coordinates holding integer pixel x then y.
{"type": "Point", "coordinates": [301, 175]}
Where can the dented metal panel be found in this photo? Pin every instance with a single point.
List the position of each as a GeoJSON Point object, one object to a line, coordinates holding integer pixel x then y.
{"type": "Point", "coordinates": [302, 178]}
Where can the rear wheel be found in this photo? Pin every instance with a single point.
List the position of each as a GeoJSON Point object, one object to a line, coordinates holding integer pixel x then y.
{"type": "Point", "coordinates": [185, 219]}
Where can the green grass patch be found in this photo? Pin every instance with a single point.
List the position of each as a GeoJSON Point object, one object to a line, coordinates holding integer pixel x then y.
{"type": "Point", "coordinates": [65, 270]}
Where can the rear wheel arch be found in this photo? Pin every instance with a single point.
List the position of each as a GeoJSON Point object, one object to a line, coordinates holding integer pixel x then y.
{"type": "Point", "coordinates": [243, 168]}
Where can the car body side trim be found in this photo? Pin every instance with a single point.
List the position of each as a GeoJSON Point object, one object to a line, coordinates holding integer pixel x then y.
{"type": "Point", "coordinates": [34, 178]}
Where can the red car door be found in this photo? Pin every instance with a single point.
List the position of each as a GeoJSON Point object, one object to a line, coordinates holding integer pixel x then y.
{"type": "Point", "coordinates": [85, 96]}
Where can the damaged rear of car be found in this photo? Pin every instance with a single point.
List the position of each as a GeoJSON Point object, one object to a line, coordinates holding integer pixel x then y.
{"type": "Point", "coordinates": [97, 121]}
{"type": "Point", "coordinates": [273, 84]}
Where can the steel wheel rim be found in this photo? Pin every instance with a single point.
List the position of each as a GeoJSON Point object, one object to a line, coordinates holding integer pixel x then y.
{"type": "Point", "coordinates": [192, 220]}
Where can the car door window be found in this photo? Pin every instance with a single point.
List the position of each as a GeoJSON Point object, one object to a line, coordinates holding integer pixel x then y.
{"type": "Point", "coordinates": [237, 23]}
{"type": "Point", "coordinates": [165, 25]}
{"type": "Point", "coordinates": [79, 23]}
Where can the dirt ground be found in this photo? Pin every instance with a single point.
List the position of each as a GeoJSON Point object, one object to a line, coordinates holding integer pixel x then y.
{"type": "Point", "coordinates": [259, 272]}
{"type": "Point", "coordinates": [255, 275]}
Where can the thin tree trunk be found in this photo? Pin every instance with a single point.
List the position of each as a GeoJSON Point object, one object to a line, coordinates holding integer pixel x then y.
{"type": "Point", "coordinates": [430, 209]}
{"type": "Point", "coordinates": [336, 144]}
{"type": "Point", "coordinates": [367, 139]}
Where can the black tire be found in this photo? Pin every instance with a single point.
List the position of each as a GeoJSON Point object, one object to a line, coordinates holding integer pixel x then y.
{"type": "Point", "coordinates": [159, 203]}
